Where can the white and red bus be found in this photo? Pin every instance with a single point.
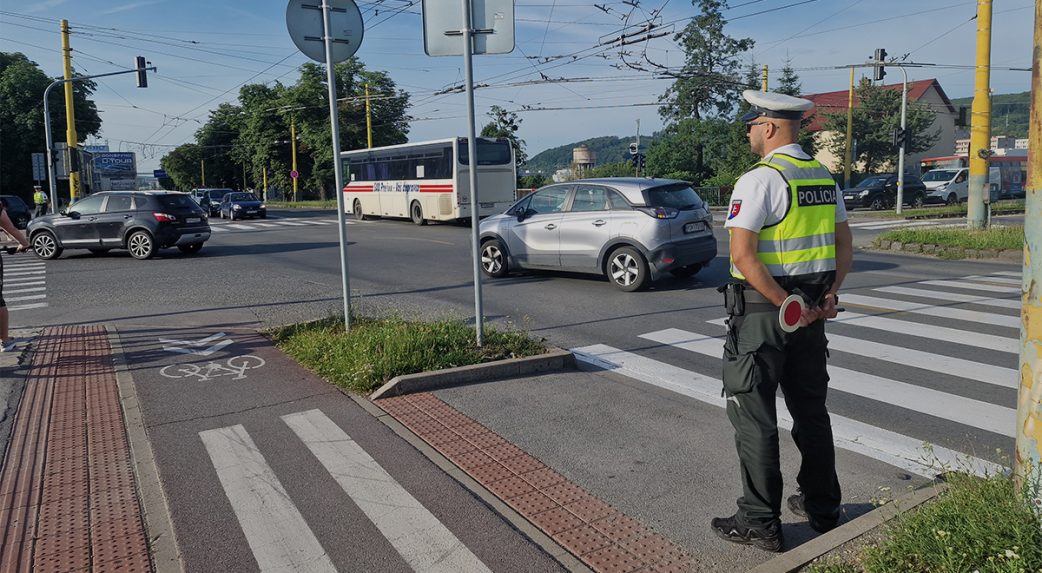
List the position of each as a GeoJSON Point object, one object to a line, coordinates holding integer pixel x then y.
{"type": "Point", "coordinates": [428, 181]}
{"type": "Point", "coordinates": [1007, 174]}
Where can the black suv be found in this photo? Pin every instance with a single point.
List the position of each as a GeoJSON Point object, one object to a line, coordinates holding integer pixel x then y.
{"type": "Point", "coordinates": [139, 221]}
{"type": "Point", "coordinates": [17, 210]}
{"type": "Point", "coordinates": [879, 192]}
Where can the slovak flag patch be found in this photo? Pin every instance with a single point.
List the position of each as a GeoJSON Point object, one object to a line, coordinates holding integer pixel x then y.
{"type": "Point", "coordinates": [736, 207]}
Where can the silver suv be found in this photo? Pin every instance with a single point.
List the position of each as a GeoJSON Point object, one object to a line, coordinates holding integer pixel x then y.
{"type": "Point", "coordinates": [631, 230]}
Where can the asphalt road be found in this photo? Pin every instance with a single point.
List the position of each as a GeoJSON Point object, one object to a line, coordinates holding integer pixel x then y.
{"type": "Point", "coordinates": [636, 430]}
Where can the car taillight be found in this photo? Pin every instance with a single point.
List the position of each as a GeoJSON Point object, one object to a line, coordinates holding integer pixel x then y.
{"type": "Point", "coordinates": [660, 212]}
{"type": "Point", "coordinates": [165, 217]}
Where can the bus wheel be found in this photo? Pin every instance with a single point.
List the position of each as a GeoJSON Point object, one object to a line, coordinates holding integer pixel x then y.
{"type": "Point", "coordinates": [417, 213]}
{"type": "Point", "coordinates": [359, 215]}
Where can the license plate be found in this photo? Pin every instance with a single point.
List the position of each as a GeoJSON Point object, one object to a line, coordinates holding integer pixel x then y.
{"type": "Point", "coordinates": [848, 197]}
{"type": "Point", "coordinates": [192, 220]}
{"type": "Point", "coordinates": [487, 205]}
{"type": "Point", "coordinates": [251, 212]}
{"type": "Point", "coordinates": [693, 227]}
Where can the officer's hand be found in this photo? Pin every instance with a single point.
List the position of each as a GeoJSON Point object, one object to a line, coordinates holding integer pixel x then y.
{"type": "Point", "coordinates": [810, 315]}
{"type": "Point", "coordinates": [828, 308]}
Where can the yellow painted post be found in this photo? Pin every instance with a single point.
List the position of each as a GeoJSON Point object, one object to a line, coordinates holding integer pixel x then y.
{"type": "Point", "coordinates": [202, 172]}
{"type": "Point", "coordinates": [849, 157]}
{"type": "Point", "coordinates": [1028, 462]}
{"type": "Point", "coordinates": [264, 191]}
{"type": "Point", "coordinates": [293, 145]}
{"type": "Point", "coordinates": [368, 118]}
{"type": "Point", "coordinates": [765, 77]}
{"type": "Point", "coordinates": [980, 125]}
{"type": "Point", "coordinates": [70, 114]}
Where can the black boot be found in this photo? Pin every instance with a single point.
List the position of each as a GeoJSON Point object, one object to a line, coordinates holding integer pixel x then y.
{"type": "Point", "coordinates": [819, 524]}
{"type": "Point", "coordinates": [767, 538]}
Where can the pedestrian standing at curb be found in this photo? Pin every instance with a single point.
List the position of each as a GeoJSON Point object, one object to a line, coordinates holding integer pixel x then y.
{"type": "Point", "coordinates": [40, 199]}
{"type": "Point", "coordinates": [7, 343]}
{"type": "Point", "coordinates": [789, 235]}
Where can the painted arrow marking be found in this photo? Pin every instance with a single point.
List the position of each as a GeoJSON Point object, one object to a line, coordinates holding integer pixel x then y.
{"type": "Point", "coordinates": [195, 347]}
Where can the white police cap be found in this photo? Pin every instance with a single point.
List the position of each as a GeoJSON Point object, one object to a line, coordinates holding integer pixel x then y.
{"type": "Point", "coordinates": [771, 104]}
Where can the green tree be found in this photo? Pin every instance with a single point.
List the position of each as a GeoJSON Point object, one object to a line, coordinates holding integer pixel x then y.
{"type": "Point", "coordinates": [705, 86]}
{"type": "Point", "coordinates": [533, 181]}
{"type": "Point", "coordinates": [789, 82]}
{"type": "Point", "coordinates": [620, 169]}
{"type": "Point", "coordinates": [217, 139]}
{"type": "Point", "coordinates": [22, 83]}
{"type": "Point", "coordinates": [877, 115]}
{"type": "Point", "coordinates": [182, 165]}
{"type": "Point", "coordinates": [505, 124]}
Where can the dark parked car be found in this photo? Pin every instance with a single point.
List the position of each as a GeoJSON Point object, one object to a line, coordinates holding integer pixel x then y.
{"type": "Point", "coordinates": [241, 205]}
{"type": "Point", "coordinates": [140, 221]}
{"type": "Point", "coordinates": [210, 199]}
{"type": "Point", "coordinates": [17, 210]}
{"type": "Point", "coordinates": [879, 192]}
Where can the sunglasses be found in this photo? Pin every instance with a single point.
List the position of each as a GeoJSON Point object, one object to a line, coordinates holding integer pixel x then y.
{"type": "Point", "coordinates": [749, 126]}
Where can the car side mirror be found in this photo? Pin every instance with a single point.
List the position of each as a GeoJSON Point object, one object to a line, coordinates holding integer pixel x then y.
{"type": "Point", "coordinates": [71, 214]}
{"type": "Point", "coordinates": [524, 214]}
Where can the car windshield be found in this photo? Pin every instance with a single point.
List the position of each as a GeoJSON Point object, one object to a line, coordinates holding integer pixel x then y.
{"type": "Point", "coordinates": [218, 193]}
{"type": "Point", "coordinates": [242, 197]}
{"type": "Point", "coordinates": [877, 181]}
{"type": "Point", "coordinates": [14, 201]}
{"type": "Point", "coordinates": [939, 175]}
{"type": "Point", "coordinates": [178, 201]}
{"type": "Point", "coordinates": [678, 196]}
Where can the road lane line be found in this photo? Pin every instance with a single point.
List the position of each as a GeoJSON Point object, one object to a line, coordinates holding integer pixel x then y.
{"type": "Point", "coordinates": [423, 541]}
{"type": "Point", "coordinates": [992, 318]}
{"type": "Point", "coordinates": [275, 530]}
{"type": "Point", "coordinates": [966, 411]}
{"type": "Point", "coordinates": [976, 371]}
{"type": "Point", "coordinates": [972, 286]}
{"type": "Point", "coordinates": [907, 453]}
{"type": "Point", "coordinates": [952, 297]}
{"type": "Point", "coordinates": [27, 306]}
{"type": "Point", "coordinates": [942, 333]}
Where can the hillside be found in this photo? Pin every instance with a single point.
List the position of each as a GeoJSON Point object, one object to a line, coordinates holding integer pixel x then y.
{"type": "Point", "coordinates": [1009, 113]}
{"type": "Point", "coordinates": [609, 149]}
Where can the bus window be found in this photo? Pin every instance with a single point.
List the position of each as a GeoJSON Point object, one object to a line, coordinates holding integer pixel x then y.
{"type": "Point", "coordinates": [489, 152]}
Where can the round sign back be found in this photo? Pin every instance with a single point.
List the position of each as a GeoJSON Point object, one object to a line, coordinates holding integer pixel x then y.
{"type": "Point", "coordinates": [304, 22]}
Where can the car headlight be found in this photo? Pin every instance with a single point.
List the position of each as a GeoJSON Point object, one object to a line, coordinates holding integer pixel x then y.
{"type": "Point", "coordinates": [236, 207]}
{"type": "Point", "coordinates": [263, 206]}
{"type": "Point", "coordinates": [863, 193]}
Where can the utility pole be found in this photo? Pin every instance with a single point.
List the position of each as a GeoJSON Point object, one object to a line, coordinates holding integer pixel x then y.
{"type": "Point", "coordinates": [765, 77]}
{"type": "Point", "coordinates": [293, 147]}
{"type": "Point", "coordinates": [638, 148]}
{"type": "Point", "coordinates": [1028, 459]}
{"type": "Point", "coordinates": [904, 139]}
{"type": "Point", "coordinates": [70, 117]}
{"type": "Point", "coordinates": [980, 130]}
{"type": "Point", "coordinates": [849, 158]}
{"type": "Point", "coordinates": [368, 118]}
{"type": "Point", "coordinates": [202, 172]}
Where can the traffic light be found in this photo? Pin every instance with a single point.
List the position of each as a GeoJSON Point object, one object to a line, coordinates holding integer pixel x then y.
{"type": "Point", "coordinates": [641, 160]}
{"type": "Point", "coordinates": [903, 138]}
{"type": "Point", "coordinates": [142, 79]}
{"type": "Point", "coordinates": [880, 57]}
{"type": "Point", "coordinates": [634, 148]}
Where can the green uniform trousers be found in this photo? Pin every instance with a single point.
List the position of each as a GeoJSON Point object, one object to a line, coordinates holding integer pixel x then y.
{"type": "Point", "coordinates": [758, 358]}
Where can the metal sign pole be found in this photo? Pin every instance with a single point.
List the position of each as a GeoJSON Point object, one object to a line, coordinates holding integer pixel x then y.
{"type": "Point", "coordinates": [338, 175]}
{"type": "Point", "coordinates": [472, 170]}
{"type": "Point", "coordinates": [901, 150]}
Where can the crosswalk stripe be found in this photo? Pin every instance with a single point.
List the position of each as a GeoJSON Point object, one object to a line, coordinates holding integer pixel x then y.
{"type": "Point", "coordinates": [275, 530]}
{"type": "Point", "coordinates": [238, 226]}
{"type": "Point", "coordinates": [895, 449]}
{"type": "Point", "coordinates": [996, 280]}
{"type": "Point", "coordinates": [322, 222]}
{"type": "Point", "coordinates": [30, 281]}
{"type": "Point", "coordinates": [1014, 274]}
{"type": "Point", "coordinates": [966, 411]}
{"type": "Point", "coordinates": [932, 332]}
{"type": "Point", "coordinates": [27, 306]}
{"type": "Point", "coordinates": [968, 285]}
{"type": "Point", "coordinates": [952, 297]}
{"type": "Point", "coordinates": [27, 297]}
{"type": "Point", "coordinates": [24, 265]}
{"type": "Point", "coordinates": [931, 310]}
{"type": "Point", "coordinates": [22, 273]}
{"type": "Point", "coordinates": [423, 541]}
{"type": "Point", "coordinates": [216, 229]}
{"type": "Point", "coordinates": [266, 224]}
{"type": "Point", "coordinates": [21, 290]}
{"type": "Point", "coordinates": [293, 223]}
{"type": "Point", "coordinates": [959, 367]}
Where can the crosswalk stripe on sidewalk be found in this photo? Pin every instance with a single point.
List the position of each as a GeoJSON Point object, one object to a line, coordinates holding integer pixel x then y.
{"type": "Point", "coordinates": [931, 310]}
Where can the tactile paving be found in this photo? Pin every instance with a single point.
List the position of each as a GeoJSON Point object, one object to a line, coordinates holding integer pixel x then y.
{"type": "Point", "coordinates": [604, 538]}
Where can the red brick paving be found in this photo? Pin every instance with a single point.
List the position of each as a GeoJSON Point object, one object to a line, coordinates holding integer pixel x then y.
{"type": "Point", "coordinates": [68, 498]}
{"type": "Point", "coordinates": [604, 538]}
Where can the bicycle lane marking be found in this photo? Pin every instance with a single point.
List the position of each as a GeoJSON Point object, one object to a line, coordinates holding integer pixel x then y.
{"type": "Point", "coordinates": [236, 367]}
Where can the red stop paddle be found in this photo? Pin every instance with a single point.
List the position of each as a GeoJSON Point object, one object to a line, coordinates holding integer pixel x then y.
{"type": "Point", "coordinates": [790, 312]}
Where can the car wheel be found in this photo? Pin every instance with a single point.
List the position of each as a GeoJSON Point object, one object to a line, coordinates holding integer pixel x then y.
{"type": "Point", "coordinates": [877, 204]}
{"type": "Point", "coordinates": [21, 221]}
{"type": "Point", "coordinates": [357, 209]}
{"type": "Point", "coordinates": [98, 251]}
{"type": "Point", "coordinates": [191, 248]}
{"type": "Point", "coordinates": [918, 201]}
{"type": "Point", "coordinates": [494, 259]}
{"type": "Point", "coordinates": [686, 272]}
{"type": "Point", "coordinates": [953, 199]}
{"type": "Point", "coordinates": [627, 269]}
{"type": "Point", "coordinates": [45, 246]}
{"type": "Point", "coordinates": [417, 213]}
{"type": "Point", "coordinates": [231, 215]}
{"type": "Point", "coordinates": [141, 245]}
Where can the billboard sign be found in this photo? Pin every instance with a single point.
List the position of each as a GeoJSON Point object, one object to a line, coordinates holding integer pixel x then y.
{"type": "Point", "coordinates": [116, 165]}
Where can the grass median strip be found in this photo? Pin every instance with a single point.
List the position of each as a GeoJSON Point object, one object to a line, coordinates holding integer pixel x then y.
{"type": "Point", "coordinates": [328, 204]}
{"type": "Point", "coordinates": [977, 525]}
{"type": "Point", "coordinates": [994, 238]}
{"type": "Point", "coordinates": [377, 350]}
{"type": "Point", "coordinates": [1004, 206]}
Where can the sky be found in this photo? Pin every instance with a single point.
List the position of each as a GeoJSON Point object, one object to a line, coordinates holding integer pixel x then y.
{"type": "Point", "coordinates": [206, 50]}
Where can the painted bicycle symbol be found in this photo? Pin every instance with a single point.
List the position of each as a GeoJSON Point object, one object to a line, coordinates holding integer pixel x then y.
{"type": "Point", "coordinates": [236, 366]}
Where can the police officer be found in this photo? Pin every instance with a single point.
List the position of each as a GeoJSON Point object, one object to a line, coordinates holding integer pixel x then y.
{"type": "Point", "coordinates": [789, 235]}
{"type": "Point", "coordinates": [40, 200]}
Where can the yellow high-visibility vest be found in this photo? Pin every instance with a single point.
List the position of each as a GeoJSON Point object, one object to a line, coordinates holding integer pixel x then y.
{"type": "Point", "coordinates": [39, 198]}
{"type": "Point", "coordinates": [804, 241]}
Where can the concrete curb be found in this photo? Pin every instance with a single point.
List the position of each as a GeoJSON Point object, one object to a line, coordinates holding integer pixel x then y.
{"type": "Point", "coordinates": [162, 542]}
{"type": "Point", "coordinates": [1010, 255]}
{"type": "Point", "coordinates": [555, 359]}
{"type": "Point", "coordinates": [799, 557]}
